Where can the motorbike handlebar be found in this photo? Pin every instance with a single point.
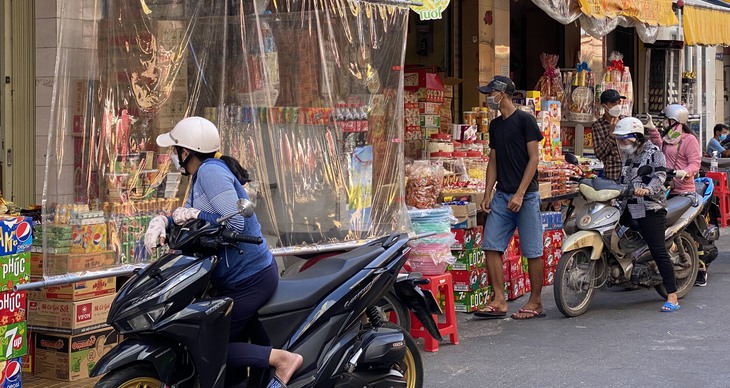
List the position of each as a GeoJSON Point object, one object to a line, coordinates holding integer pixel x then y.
{"type": "Point", "coordinates": [238, 237]}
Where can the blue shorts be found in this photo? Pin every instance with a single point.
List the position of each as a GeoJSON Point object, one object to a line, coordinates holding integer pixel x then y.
{"type": "Point", "coordinates": [501, 224]}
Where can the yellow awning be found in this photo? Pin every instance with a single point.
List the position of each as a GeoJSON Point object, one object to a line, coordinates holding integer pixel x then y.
{"type": "Point", "coordinates": [651, 12]}
{"type": "Point", "coordinates": [706, 27]}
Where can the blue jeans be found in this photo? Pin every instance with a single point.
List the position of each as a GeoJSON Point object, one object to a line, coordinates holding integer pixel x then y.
{"type": "Point", "coordinates": [502, 222]}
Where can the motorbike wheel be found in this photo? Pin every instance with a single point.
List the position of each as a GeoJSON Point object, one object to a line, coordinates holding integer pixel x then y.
{"type": "Point", "coordinates": [394, 311]}
{"type": "Point", "coordinates": [133, 376]}
{"type": "Point", "coordinates": [575, 281]}
{"type": "Point", "coordinates": [685, 277]}
{"type": "Point", "coordinates": [412, 365]}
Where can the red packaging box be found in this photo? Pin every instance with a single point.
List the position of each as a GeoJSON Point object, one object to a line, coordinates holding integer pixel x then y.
{"type": "Point", "coordinates": [513, 248]}
{"type": "Point", "coordinates": [505, 268]}
{"type": "Point", "coordinates": [12, 307]}
{"type": "Point", "coordinates": [528, 284]}
{"type": "Point", "coordinates": [464, 239]}
{"type": "Point", "coordinates": [466, 280]}
{"type": "Point", "coordinates": [516, 288]}
{"type": "Point", "coordinates": [515, 267]}
{"type": "Point", "coordinates": [548, 276]}
{"type": "Point", "coordinates": [483, 277]}
{"type": "Point", "coordinates": [478, 236]}
{"type": "Point", "coordinates": [550, 257]}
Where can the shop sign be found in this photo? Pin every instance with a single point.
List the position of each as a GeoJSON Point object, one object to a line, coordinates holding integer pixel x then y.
{"type": "Point", "coordinates": [431, 9]}
{"type": "Point", "coordinates": [651, 12]}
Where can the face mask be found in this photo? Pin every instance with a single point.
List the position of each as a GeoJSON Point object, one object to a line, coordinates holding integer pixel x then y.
{"type": "Point", "coordinates": [627, 148]}
{"type": "Point", "coordinates": [615, 111]}
{"type": "Point", "coordinates": [492, 103]}
{"type": "Point", "coordinates": [180, 166]}
{"type": "Point", "coordinates": [723, 137]}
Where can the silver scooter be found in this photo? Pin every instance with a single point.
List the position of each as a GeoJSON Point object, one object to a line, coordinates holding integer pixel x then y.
{"type": "Point", "coordinates": [604, 253]}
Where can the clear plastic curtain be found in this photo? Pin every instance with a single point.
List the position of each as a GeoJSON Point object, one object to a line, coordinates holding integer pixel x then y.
{"type": "Point", "coordinates": [307, 95]}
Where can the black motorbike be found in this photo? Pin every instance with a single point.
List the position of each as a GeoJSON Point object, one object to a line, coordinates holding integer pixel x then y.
{"type": "Point", "coordinates": [177, 332]}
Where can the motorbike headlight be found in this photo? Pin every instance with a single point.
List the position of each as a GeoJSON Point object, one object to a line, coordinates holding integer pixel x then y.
{"type": "Point", "coordinates": [145, 320]}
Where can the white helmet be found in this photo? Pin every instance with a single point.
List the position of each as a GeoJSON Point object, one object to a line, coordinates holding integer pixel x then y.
{"type": "Point", "coordinates": [629, 125]}
{"type": "Point", "coordinates": [677, 113]}
{"type": "Point", "coordinates": [194, 133]}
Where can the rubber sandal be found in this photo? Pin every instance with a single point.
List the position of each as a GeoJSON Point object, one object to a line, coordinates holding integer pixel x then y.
{"type": "Point", "coordinates": [530, 314]}
{"type": "Point", "coordinates": [492, 313]}
{"type": "Point", "coordinates": [275, 382]}
{"type": "Point", "coordinates": [669, 307]}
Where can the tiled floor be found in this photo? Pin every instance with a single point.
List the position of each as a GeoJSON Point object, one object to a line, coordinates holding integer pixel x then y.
{"type": "Point", "coordinates": [30, 381]}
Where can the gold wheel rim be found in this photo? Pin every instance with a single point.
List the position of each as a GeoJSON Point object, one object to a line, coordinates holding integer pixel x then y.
{"type": "Point", "coordinates": [142, 382]}
{"type": "Point", "coordinates": [410, 366]}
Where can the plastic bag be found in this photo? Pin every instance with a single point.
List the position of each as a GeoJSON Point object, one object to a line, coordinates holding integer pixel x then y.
{"type": "Point", "coordinates": [579, 96]}
{"type": "Point", "coordinates": [550, 83]}
{"type": "Point", "coordinates": [436, 220]}
{"type": "Point", "coordinates": [425, 182]}
{"type": "Point", "coordinates": [618, 77]}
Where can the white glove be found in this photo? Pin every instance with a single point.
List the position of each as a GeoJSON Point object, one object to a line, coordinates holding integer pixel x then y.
{"type": "Point", "coordinates": [183, 214]}
{"type": "Point", "coordinates": [680, 174]}
{"type": "Point", "coordinates": [156, 233]}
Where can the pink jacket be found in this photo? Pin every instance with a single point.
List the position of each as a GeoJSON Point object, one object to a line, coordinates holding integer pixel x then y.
{"type": "Point", "coordinates": [689, 159]}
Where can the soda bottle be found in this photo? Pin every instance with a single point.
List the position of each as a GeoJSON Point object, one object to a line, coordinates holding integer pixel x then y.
{"type": "Point", "coordinates": [713, 162]}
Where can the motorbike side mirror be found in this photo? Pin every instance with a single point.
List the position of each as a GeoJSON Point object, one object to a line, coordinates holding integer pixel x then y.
{"type": "Point", "coordinates": [245, 207]}
{"type": "Point", "coordinates": [645, 170]}
{"type": "Point", "coordinates": [572, 159]}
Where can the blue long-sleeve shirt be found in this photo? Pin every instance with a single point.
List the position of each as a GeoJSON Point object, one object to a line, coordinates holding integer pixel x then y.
{"type": "Point", "coordinates": [215, 193]}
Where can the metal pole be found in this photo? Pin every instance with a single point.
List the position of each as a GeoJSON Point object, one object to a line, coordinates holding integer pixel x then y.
{"type": "Point", "coordinates": [71, 278]}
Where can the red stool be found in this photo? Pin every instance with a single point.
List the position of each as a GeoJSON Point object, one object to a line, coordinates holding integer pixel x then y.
{"type": "Point", "coordinates": [724, 218]}
{"type": "Point", "coordinates": [720, 180]}
{"type": "Point", "coordinates": [439, 284]}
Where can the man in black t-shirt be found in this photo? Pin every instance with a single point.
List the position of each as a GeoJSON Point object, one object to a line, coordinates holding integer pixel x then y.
{"type": "Point", "coordinates": [513, 139]}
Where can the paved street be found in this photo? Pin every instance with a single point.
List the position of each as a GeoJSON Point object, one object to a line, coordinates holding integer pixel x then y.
{"type": "Point", "coordinates": [622, 341]}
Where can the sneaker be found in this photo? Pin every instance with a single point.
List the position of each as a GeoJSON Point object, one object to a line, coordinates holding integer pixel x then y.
{"type": "Point", "coordinates": [701, 279]}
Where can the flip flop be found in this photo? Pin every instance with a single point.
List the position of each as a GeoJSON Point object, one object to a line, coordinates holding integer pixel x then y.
{"type": "Point", "coordinates": [492, 313]}
{"type": "Point", "coordinates": [532, 314]}
{"type": "Point", "coordinates": [670, 307]}
{"type": "Point", "coordinates": [275, 382]}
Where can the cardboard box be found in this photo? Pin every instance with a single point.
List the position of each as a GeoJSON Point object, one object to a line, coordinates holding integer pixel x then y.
{"type": "Point", "coordinates": [466, 280]}
{"type": "Point", "coordinates": [79, 291]}
{"type": "Point", "coordinates": [15, 269]}
{"type": "Point", "coordinates": [429, 108]}
{"type": "Point", "coordinates": [470, 301]}
{"type": "Point", "coordinates": [17, 235]}
{"type": "Point", "coordinates": [68, 317]}
{"type": "Point", "coordinates": [464, 239]}
{"type": "Point", "coordinates": [63, 264]}
{"type": "Point", "coordinates": [430, 121]}
{"type": "Point", "coordinates": [528, 284]}
{"type": "Point", "coordinates": [14, 340]}
{"type": "Point", "coordinates": [11, 373]}
{"type": "Point", "coordinates": [552, 220]}
{"type": "Point", "coordinates": [516, 288]}
{"type": "Point", "coordinates": [466, 216]}
{"type": "Point", "coordinates": [71, 358]}
{"type": "Point", "coordinates": [89, 238]}
{"type": "Point", "coordinates": [513, 247]}
{"type": "Point", "coordinates": [548, 276]}
{"type": "Point", "coordinates": [467, 260]}
{"type": "Point", "coordinates": [515, 267]}
{"type": "Point", "coordinates": [27, 362]}
{"type": "Point", "coordinates": [478, 236]}
{"type": "Point", "coordinates": [12, 307]}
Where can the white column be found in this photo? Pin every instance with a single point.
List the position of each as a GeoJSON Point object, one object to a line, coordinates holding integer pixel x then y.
{"type": "Point", "coordinates": [709, 107]}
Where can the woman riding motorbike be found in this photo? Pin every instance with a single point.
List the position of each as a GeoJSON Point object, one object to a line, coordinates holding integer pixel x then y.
{"type": "Point", "coordinates": [247, 273]}
{"type": "Point", "coordinates": [648, 205]}
{"type": "Point", "coordinates": [683, 154]}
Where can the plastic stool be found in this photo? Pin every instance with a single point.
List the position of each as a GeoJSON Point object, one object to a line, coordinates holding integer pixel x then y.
{"type": "Point", "coordinates": [439, 284]}
{"type": "Point", "coordinates": [724, 218]}
{"type": "Point", "coordinates": [721, 183]}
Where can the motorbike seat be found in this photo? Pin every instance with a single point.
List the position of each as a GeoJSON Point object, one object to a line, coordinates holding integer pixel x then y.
{"type": "Point", "coordinates": [676, 206]}
{"type": "Point", "coordinates": [305, 289]}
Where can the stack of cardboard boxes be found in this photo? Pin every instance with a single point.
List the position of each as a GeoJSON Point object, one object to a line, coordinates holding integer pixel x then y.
{"type": "Point", "coordinates": [424, 93]}
{"type": "Point", "coordinates": [68, 323]}
{"type": "Point", "coordinates": [15, 243]}
{"type": "Point", "coordinates": [471, 280]}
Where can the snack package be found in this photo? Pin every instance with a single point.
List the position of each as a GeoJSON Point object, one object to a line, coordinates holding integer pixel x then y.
{"type": "Point", "coordinates": [425, 182]}
{"type": "Point", "coordinates": [550, 83]}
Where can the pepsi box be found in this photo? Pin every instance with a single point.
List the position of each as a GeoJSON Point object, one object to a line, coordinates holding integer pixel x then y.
{"type": "Point", "coordinates": [89, 238]}
{"type": "Point", "coordinates": [11, 373]}
{"type": "Point", "coordinates": [17, 235]}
